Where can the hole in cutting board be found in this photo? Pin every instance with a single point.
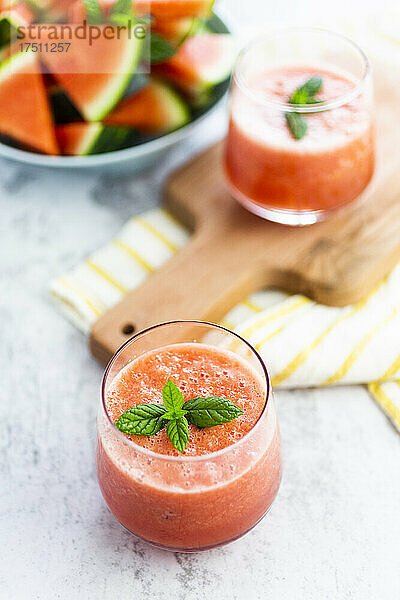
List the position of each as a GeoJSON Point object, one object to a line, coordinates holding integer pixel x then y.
{"type": "Point", "coordinates": [128, 329]}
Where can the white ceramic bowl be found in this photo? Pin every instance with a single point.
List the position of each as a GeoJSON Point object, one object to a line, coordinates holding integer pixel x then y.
{"type": "Point", "coordinates": [133, 159]}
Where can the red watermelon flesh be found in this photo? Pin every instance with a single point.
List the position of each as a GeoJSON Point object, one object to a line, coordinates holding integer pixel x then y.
{"type": "Point", "coordinates": [174, 9]}
{"type": "Point", "coordinates": [174, 30]}
{"type": "Point", "coordinates": [24, 108]}
{"type": "Point", "coordinates": [71, 137]}
{"type": "Point", "coordinates": [155, 108]}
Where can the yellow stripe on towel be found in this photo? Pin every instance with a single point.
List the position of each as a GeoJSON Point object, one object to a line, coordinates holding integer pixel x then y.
{"type": "Point", "coordinates": [74, 289]}
{"type": "Point", "coordinates": [133, 254]}
{"type": "Point", "coordinates": [392, 370]}
{"type": "Point", "coordinates": [305, 353]}
{"type": "Point", "coordinates": [106, 276]}
{"type": "Point", "coordinates": [251, 305]}
{"type": "Point", "coordinates": [269, 337]}
{"type": "Point", "coordinates": [358, 349]}
{"type": "Point", "coordinates": [156, 232]}
{"type": "Point", "coordinates": [276, 314]}
{"type": "Point", "coordinates": [389, 407]}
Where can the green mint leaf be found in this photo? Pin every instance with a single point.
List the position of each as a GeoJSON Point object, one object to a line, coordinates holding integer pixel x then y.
{"type": "Point", "coordinates": [143, 419]}
{"type": "Point", "coordinates": [304, 93]}
{"type": "Point", "coordinates": [172, 397]}
{"type": "Point", "coordinates": [94, 13]}
{"type": "Point", "coordinates": [160, 49]}
{"type": "Point", "coordinates": [211, 411]}
{"type": "Point", "coordinates": [313, 85]}
{"type": "Point", "coordinates": [178, 433]}
{"type": "Point", "coordinates": [297, 125]}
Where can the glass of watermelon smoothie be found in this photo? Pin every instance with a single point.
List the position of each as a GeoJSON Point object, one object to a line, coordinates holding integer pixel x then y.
{"type": "Point", "coordinates": [225, 480]}
{"type": "Point", "coordinates": [301, 134]}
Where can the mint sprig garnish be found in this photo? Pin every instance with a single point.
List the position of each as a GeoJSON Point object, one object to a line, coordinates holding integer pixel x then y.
{"type": "Point", "coordinates": [305, 94]}
{"type": "Point", "coordinates": [175, 414]}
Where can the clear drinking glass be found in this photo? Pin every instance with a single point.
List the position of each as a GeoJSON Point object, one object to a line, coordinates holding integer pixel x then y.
{"type": "Point", "coordinates": [300, 181]}
{"type": "Point", "coordinates": [189, 503]}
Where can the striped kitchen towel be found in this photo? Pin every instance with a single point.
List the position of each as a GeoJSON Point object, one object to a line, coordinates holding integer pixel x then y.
{"type": "Point", "coordinates": [303, 343]}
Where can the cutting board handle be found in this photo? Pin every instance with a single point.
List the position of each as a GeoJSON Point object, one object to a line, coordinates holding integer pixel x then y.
{"type": "Point", "coordinates": [163, 295]}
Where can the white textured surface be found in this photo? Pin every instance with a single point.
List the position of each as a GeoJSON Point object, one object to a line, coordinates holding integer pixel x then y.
{"type": "Point", "coordinates": [334, 531]}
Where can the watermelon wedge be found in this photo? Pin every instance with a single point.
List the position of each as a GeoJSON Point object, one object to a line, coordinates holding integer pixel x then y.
{"type": "Point", "coordinates": [24, 108]}
{"type": "Point", "coordinates": [174, 9]}
{"type": "Point", "coordinates": [82, 139]}
{"type": "Point", "coordinates": [96, 76]}
{"type": "Point", "coordinates": [156, 108]}
{"type": "Point", "coordinates": [200, 63]}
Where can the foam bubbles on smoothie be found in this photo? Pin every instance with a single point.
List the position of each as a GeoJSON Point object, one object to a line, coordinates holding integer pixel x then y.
{"type": "Point", "coordinates": [198, 370]}
{"type": "Point", "coordinates": [326, 129]}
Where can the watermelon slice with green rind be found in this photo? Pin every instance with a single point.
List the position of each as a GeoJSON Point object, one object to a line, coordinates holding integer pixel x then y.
{"type": "Point", "coordinates": [201, 63]}
{"type": "Point", "coordinates": [25, 114]}
{"type": "Point", "coordinates": [83, 139]}
{"type": "Point", "coordinates": [156, 108]}
{"type": "Point", "coordinates": [94, 77]}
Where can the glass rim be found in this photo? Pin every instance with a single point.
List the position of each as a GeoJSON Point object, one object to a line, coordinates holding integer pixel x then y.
{"type": "Point", "coordinates": [168, 457]}
{"type": "Point", "coordinates": [303, 108]}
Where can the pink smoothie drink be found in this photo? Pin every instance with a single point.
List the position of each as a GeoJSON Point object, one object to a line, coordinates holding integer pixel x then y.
{"type": "Point", "coordinates": [228, 475]}
{"type": "Point", "coordinates": [329, 167]}
{"type": "Point", "coordinates": [301, 138]}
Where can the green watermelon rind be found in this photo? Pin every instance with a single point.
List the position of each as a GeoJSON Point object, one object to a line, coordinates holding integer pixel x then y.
{"type": "Point", "coordinates": [209, 10]}
{"type": "Point", "coordinates": [103, 104]}
{"type": "Point", "coordinates": [111, 138]}
{"type": "Point", "coordinates": [220, 71]}
{"type": "Point", "coordinates": [10, 65]}
{"type": "Point", "coordinates": [175, 107]}
{"type": "Point", "coordinates": [100, 138]}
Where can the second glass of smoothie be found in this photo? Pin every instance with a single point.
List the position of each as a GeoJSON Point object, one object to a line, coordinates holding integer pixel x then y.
{"type": "Point", "coordinates": [295, 163]}
{"type": "Point", "coordinates": [227, 477]}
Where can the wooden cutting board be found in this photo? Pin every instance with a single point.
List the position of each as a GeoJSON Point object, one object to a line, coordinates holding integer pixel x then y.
{"type": "Point", "coordinates": [233, 253]}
